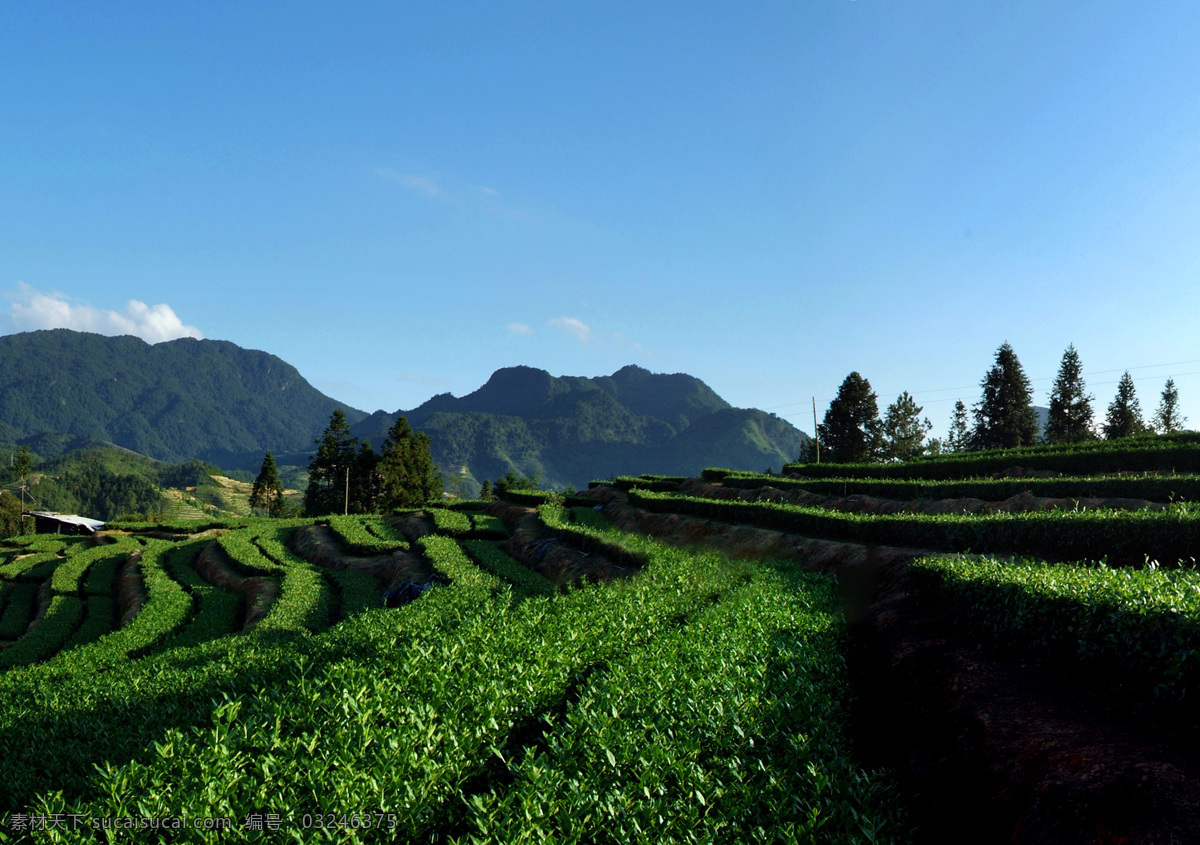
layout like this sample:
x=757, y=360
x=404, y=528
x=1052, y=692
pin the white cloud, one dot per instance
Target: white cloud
x=32, y=309
x=491, y=192
x=422, y=184
x=520, y=328
x=580, y=330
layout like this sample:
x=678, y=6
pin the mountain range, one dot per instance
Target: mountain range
x=571, y=429
x=62, y=390
x=181, y=399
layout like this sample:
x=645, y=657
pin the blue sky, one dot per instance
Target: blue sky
x=400, y=198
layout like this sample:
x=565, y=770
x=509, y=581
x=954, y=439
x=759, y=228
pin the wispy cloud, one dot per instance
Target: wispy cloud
x=578, y=329
x=624, y=341
x=482, y=199
x=521, y=328
x=32, y=309
x=421, y=184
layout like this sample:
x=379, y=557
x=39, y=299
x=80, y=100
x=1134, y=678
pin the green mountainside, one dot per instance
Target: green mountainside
x=181, y=399
x=63, y=391
x=571, y=429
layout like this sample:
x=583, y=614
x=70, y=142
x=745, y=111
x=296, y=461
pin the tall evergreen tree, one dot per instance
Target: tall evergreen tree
x=903, y=429
x=959, y=437
x=851, y=428
x=407, y=473
x=808, y=450
x=1124, y=414
x=1004, y=417
x=485, y=490
x=365, y=484
x=329, y=468
x=267, y=492
x=1070, y=407
x=10, y=515
x=1167, y=418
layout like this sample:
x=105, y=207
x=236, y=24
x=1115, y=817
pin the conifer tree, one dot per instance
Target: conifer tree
x=1070, y=407
x=267, y=492
x=329, y=468
x=485, y=490
x=1004, y=417
x=10, y=515
x=903, y=429
x=851, y=428
x=959, y=437
x=365, y=484
x=1167, y=419
x=407, y=473
x=1124, y=414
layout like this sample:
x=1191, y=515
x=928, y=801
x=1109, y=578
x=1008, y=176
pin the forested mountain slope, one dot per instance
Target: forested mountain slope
x=173, y=401
x=571, y=429
x=62, y=390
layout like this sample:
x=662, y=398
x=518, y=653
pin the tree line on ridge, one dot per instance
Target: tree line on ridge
x=1004, y=417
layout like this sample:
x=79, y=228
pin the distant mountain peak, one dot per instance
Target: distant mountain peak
x=571, y=429
x=632, y=370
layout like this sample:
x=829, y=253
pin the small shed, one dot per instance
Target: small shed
x=49, y=522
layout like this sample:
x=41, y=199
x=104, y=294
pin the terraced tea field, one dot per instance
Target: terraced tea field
x=243, y=681
x=918, y=652
x=1025, y=626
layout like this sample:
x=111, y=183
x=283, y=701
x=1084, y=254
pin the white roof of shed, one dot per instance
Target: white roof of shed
x=71, y=519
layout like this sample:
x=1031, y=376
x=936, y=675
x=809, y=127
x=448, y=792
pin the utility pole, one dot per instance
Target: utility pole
x=346, y=506
x=816, y=434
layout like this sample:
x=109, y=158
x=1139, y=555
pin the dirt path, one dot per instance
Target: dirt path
x=414, y=526
x=130, y=593
x=557, y=558
x=320, y=547
x=257, y=592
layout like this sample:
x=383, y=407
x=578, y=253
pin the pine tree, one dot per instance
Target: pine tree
x=329, y=468
x=1124, y=414
x=407, y=473
x=959, y=437
x=267, y=492
x=1004, y=417
x=1070, y=407
x=851, y=429
x=365, y=484
x=1167, y=419
x=10, y=515
x=485, y=490
x=903, y=429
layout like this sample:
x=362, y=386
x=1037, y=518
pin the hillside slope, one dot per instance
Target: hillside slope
x=173, y=401
x=571, y=429
x=61, y=391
